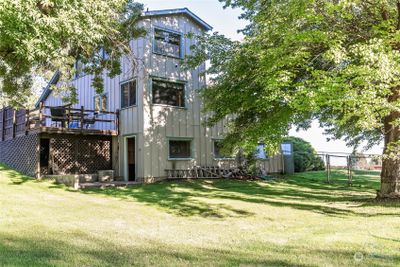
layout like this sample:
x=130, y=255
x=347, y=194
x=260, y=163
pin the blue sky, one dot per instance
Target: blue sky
x=226, y=22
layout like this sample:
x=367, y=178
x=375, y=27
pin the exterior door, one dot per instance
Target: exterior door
x=131, y=158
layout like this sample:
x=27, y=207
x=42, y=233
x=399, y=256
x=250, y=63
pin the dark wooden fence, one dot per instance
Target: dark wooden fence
x=1, y=124
x=12, y=123
x=8, y=127
x=20, y=122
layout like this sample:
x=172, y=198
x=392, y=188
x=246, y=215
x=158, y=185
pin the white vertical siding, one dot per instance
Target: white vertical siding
x=153, y=125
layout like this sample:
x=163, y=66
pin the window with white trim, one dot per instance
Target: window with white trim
x=180, y=149
x=128, y=94
x=167, y=43
x=168, y=93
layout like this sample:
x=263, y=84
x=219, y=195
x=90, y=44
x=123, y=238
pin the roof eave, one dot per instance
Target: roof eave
x=179, y=11
x=47, y=90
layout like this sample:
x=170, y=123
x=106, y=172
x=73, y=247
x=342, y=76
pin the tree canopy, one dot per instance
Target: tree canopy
x=305, y=156
x=39, y=37
x=336, y=61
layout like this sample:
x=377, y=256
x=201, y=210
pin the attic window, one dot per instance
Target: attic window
x=167, y=43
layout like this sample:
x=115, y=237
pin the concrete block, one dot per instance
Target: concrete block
x=68, y=180
x=106, y=176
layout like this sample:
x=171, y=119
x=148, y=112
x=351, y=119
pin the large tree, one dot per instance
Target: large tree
x=39, y=37
x=301, y=60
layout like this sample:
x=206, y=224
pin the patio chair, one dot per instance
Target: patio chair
x=59, y=114
x=89, y=122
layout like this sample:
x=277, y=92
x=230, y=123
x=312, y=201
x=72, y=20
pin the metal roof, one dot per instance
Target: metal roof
x=179, y=11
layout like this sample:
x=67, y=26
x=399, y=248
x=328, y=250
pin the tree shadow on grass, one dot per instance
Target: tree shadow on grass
x=179, y=198
x=385, y=203
x=307, y=191
x=193, y=197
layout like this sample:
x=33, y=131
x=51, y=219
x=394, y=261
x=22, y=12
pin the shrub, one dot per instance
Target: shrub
x=305, y=156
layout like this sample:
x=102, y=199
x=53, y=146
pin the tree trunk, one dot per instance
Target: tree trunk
x=390, y=176
x=390, y=179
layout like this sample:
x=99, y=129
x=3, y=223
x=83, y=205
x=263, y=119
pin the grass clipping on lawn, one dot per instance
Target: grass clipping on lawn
x=300, y=221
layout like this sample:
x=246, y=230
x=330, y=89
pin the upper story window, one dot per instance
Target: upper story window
x=79, y=69
x=167, y=43
x=100, y=103
x=104, y=55
x=128, y=94
x=168, y=93
x=80, y=66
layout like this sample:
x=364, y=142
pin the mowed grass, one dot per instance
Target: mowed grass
x=299, y=221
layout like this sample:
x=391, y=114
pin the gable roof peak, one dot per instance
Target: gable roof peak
x=179, y=11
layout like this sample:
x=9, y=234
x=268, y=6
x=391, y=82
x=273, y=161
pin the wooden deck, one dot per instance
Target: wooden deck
x=57, y=120
x=72, y=131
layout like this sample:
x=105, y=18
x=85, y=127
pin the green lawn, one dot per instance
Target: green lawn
x=300, y=221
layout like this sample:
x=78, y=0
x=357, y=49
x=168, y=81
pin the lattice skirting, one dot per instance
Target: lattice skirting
x=68, y=154
x=79, y=154
x=21, y=153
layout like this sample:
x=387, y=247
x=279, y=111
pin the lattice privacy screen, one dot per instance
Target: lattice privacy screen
x=79, y=154
x=21, y=153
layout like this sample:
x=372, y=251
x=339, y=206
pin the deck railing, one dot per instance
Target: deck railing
x=14, y=123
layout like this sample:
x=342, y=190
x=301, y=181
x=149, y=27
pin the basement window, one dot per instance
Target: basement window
x=128, y=94
x=168, y=93
x=180, y=149
x=167, y=43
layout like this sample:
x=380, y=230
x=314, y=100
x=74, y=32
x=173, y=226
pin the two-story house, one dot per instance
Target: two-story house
x=148, y=119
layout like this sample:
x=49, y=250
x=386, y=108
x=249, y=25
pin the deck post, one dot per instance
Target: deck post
x=2, y=124
x=14, y=127
x=82, y=116
x=69, y=115
x=41, y=114
x=117, y=121
x=27, y=122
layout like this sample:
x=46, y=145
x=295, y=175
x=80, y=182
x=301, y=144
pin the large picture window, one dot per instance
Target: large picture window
x=180, y=149
x=168, y=93
x=167, y=43
x=128, y=94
